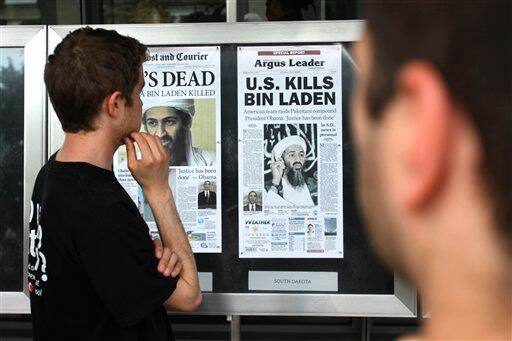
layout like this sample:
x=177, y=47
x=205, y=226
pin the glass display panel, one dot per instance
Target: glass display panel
x=37, y=12
x=297, y=10
x=67, y=12
x=11, y=169
x=161, y=11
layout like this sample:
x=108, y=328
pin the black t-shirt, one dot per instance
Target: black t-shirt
x=92, y=266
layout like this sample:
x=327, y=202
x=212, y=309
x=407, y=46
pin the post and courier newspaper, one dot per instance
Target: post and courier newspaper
x=290, y=152
x=181, y=105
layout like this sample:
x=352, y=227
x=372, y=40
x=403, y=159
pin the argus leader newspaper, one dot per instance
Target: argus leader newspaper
x=290, y=152
x=181, y=105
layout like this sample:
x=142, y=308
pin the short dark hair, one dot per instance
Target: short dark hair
x=87, y=66
x=470, y=45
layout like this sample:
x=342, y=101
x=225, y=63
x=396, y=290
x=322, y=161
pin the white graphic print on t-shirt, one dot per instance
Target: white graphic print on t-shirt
x=36, y=260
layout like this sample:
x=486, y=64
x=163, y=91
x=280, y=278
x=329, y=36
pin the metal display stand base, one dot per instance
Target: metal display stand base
x=366, y=328
x=235, y=327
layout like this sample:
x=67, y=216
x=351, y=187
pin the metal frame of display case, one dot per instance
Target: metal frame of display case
x=402, y=303
x=33, y=40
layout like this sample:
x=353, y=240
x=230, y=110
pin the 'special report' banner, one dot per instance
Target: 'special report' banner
x=181, y=105
x=290, y=152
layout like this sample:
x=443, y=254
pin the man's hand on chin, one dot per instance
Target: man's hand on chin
x=151, y=170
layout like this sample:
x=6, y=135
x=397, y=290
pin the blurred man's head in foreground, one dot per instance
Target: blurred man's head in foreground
x=432, y=123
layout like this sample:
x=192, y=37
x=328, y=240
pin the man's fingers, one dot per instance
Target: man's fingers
x=152, y=142
x=130, y=151
x=160, y=150
x=143, y=145
x=158, y=248
x=160, y=146
x=171, y=265
x=166, y=256
x=177, y=270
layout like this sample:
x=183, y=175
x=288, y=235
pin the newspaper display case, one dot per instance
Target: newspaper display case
x=23, y=50
x=362, y=286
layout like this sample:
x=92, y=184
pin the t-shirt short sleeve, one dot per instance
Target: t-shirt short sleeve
x=119, y=258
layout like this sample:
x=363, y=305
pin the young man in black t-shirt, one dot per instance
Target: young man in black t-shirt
x=94, y=273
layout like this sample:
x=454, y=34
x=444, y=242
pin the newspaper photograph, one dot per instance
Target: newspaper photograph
x=290, y=152
x=181, y=105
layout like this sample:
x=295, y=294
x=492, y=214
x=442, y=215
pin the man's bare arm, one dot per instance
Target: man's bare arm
x=187, y=295
x=151, y=172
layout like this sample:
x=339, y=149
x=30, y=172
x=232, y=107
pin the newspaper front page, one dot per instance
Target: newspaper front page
x=181, y=105
x=290, y=152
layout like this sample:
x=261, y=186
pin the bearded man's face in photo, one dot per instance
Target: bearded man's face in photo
x=168, y=125
x=294, y=159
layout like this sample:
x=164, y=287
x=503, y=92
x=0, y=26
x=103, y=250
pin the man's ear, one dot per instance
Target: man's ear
x=432, y=114
x=115, y=104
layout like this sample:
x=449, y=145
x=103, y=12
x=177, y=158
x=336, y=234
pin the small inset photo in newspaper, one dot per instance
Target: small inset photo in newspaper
x=330, y=226
x=207, y=196
x=253, y=201
x=310, y=229
x=290, y=164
